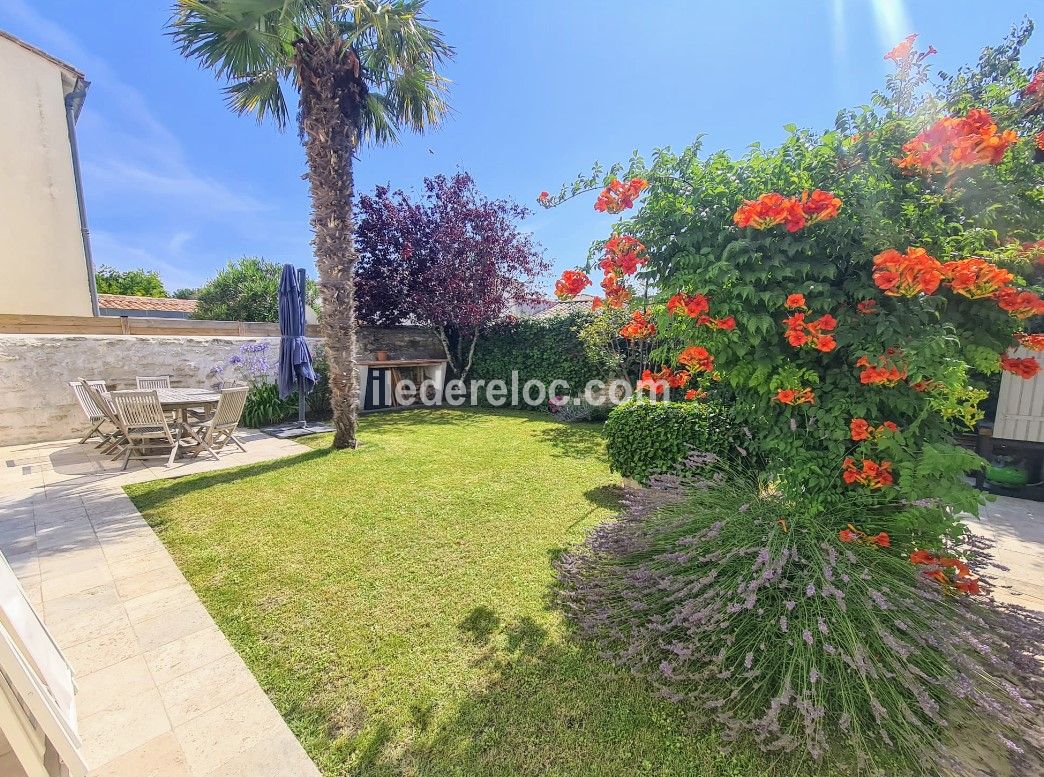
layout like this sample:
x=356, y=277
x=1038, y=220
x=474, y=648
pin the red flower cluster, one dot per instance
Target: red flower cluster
x=1021, y=304
x=819, y=206
x=902, y=54
x=795, y=302
x=962, y=579
x=1030, y=342
x=795, y=396
x=868, y=307
x=1038, y=141
x=638, y=328
x=953, y=143
x=872, y=475
x=852, y=534
x=862, y=430
x=1023, y=368
x=693, y=306
x=1035, y=87
x=657, y=382
x=796, y=213
x=907, y=275
x=697, y=358
x=696, y=306
x=616, y=294
x=623, y=255
x=570, y=284
x=800, y=332
x=885, y=373
x=693, y=394
x=544, y=199
x=619, y=196
x=975, y=278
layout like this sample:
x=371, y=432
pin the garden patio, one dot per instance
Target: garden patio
x=397, y=611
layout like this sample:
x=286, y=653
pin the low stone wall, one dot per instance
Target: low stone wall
x=36, y=403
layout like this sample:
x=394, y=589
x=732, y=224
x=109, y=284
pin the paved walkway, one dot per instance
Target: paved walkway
x=161, y=692
x=1016, y=526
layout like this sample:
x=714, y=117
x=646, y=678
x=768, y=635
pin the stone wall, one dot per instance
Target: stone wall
x=36, y=403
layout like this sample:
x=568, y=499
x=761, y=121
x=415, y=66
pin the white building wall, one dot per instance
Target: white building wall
x=42, y=260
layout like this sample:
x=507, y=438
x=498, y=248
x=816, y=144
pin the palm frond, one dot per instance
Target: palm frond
x=245, y=42
x=261, y=95
x=400, y=52
x=251, y=45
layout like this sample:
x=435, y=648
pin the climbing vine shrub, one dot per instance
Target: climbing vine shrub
x=843, y=286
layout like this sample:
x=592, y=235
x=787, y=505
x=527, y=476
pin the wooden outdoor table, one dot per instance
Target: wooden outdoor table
x=180, y=401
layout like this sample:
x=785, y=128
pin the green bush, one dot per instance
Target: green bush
x=264, y=407
x=647, y=438
x=542, y=349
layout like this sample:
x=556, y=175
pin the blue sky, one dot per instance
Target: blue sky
x=540, y=90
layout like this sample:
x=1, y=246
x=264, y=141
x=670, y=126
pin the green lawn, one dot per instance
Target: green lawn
x=394, y=601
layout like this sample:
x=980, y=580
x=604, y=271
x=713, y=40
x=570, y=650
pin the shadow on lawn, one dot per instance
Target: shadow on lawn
x=552, y=708
x=574, y=440
x=154, y=494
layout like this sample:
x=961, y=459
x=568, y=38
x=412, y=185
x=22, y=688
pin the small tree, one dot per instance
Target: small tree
x=454, y=262
x=245, y=290
x=136, y=283
x=186, y=293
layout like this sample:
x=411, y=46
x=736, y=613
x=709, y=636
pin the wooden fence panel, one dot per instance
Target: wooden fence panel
x=133, y=325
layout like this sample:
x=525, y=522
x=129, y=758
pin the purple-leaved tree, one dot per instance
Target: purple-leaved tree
x=454, y=261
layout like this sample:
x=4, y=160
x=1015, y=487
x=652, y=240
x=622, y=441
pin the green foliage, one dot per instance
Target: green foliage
x=686, y=219
x=645, y=438
x=186, y=293
x=612, y=354
x=136, y=283
x=264, y=407
x=319, y=398
x=245, y=290
x=543, y=349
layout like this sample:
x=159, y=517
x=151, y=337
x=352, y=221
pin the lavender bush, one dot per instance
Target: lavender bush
x=713, y=587
x=252, y=364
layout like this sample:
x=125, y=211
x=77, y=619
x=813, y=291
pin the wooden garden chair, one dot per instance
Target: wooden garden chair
x=152, y=382
x=91, y=409
x=213, y=434
x=145, y=426
x=96, y=392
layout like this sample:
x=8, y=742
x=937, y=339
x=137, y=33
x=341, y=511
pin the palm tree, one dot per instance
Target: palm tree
x=364, y=70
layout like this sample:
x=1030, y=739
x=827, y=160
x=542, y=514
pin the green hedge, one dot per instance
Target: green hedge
x=543, y=349
x=647, y=438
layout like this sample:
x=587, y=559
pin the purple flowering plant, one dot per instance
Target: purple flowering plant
x=713, y=587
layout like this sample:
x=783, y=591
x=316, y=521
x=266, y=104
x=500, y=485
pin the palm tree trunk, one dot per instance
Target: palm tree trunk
x=330, y=138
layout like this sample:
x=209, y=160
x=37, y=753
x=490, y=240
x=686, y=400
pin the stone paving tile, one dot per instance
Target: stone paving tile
x=164, y=629
x=273, y=755
x=146, y=654
x=228, y=730
x=159, y=757
x=181, y=656
x=206, y=687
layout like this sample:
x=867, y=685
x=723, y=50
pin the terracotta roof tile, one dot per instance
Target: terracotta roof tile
x=127, y=302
